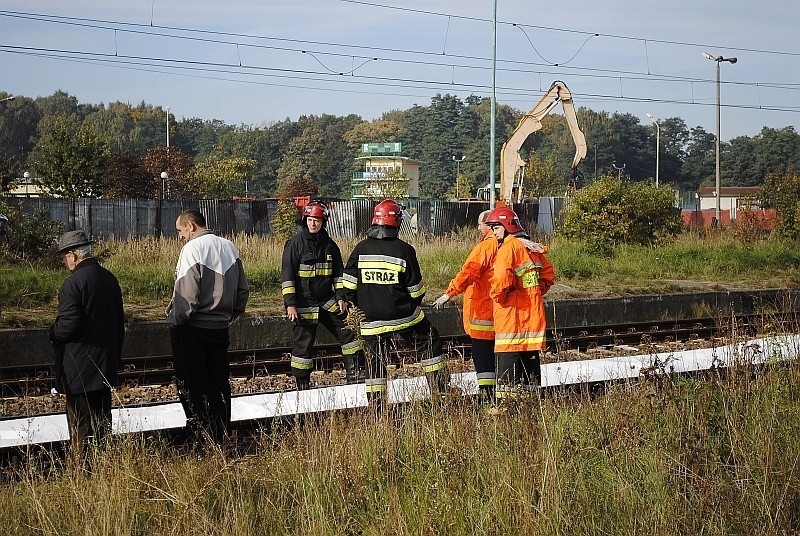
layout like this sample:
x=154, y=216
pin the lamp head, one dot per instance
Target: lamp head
x=708, y=56
x=732, y=60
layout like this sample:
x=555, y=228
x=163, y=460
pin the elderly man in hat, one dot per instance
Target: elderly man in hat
x=87, y=339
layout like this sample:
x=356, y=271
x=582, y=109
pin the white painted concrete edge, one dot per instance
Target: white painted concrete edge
x=50, y=428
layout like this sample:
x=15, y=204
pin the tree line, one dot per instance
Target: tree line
x=119, y=150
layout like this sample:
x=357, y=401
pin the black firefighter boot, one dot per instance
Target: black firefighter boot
x=438, y=381
x=353, y=374
x=303, y=383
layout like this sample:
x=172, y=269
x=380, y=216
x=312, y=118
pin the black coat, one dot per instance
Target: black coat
x=311, y=269
x=89, y=329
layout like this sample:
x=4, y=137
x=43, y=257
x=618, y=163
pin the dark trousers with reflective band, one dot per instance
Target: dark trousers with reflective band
x=88, y=418
x=200, y=358
x=423, y=338
x=518, y=371
x=484, y=360
x=305, y=333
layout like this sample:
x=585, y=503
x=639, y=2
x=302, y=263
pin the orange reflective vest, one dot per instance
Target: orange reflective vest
x=474, y=281
x=520, y=281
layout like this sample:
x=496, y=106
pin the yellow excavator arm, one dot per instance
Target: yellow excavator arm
x=512, y=166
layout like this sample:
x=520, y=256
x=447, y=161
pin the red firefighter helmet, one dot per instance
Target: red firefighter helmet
x=388, y=213
x=506, y=217
x=316, y=209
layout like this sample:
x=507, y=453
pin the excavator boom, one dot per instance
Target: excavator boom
x=512, y=165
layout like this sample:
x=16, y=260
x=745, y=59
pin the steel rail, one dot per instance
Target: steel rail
x=33, y=380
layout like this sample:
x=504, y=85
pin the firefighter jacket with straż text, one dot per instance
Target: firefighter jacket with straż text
x=211, y=288
x=311, y=274
x=521, y=279
x=383, y=278
x=474, y=281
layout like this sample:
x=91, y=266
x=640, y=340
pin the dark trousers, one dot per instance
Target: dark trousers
x=424, y=340
x=200, y=358
x=88, y=418
x=516, y=369
x=305, y=333
x=484, y=360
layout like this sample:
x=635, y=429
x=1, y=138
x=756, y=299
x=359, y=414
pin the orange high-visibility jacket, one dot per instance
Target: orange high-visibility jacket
x=520, y=281
x=474, y=281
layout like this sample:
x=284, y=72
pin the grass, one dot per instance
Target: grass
x=145, y=268
x=684, y=456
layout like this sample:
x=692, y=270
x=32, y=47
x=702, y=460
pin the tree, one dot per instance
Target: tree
x=197, y=137
x=178, y=166
x=62, y=104
x=18, y=121
x=126, y=176
x=321, y=153
x=218, y=177
x=742, y=162
x=129, y=129
x=540, y=177
x=70, y=162
x=383, y=130
x=7, y=176
x=700, y=164
x=296, y=162
x=778, y=149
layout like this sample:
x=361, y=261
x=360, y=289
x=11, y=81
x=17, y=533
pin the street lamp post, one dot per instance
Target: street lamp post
x=27, y=177
x=718, y=60
x=160, y=202
x=697, y=222
x=658, y=144
x=458, y=169
x=619, y=170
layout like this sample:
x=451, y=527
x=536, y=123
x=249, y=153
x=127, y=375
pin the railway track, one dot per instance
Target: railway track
x=35, y=380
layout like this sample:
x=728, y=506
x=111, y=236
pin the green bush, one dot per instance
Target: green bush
x=610, y=212
x=31, y=238
x=781, y=191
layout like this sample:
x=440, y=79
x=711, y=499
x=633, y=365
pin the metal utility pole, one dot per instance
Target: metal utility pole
x=658, y=143
x=718, y=60
x=492, y=155
x=458, y=172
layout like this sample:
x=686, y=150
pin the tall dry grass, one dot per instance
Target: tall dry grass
x=145, y=268
x=681, y=456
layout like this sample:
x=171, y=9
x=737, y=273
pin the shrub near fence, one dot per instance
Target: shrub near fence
x=131, y=218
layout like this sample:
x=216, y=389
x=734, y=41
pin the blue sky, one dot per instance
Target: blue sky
x=251, y=62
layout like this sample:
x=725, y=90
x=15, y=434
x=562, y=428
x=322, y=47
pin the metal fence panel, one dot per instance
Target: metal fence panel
x=127, y=218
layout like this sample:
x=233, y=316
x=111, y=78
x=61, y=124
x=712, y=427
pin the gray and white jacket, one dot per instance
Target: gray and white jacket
x=211, y=288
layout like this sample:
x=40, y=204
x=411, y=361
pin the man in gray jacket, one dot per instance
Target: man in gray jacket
x=87, y=340
x=210, y=292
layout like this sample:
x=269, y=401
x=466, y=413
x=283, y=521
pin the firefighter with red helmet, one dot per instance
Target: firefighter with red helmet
x=311, y=284
x=522, y=276
x=383, y=278
x=474, y=281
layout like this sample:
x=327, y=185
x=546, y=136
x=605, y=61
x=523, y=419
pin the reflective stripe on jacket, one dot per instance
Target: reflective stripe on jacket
x=383, y=278
x=520, y=281
x=311, y=274
x=474, y=281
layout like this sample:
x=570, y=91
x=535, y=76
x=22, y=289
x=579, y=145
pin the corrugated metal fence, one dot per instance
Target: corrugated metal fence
x=127, y=218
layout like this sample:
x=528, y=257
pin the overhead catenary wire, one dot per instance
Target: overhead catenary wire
x=185, y=67
x=170, y=66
